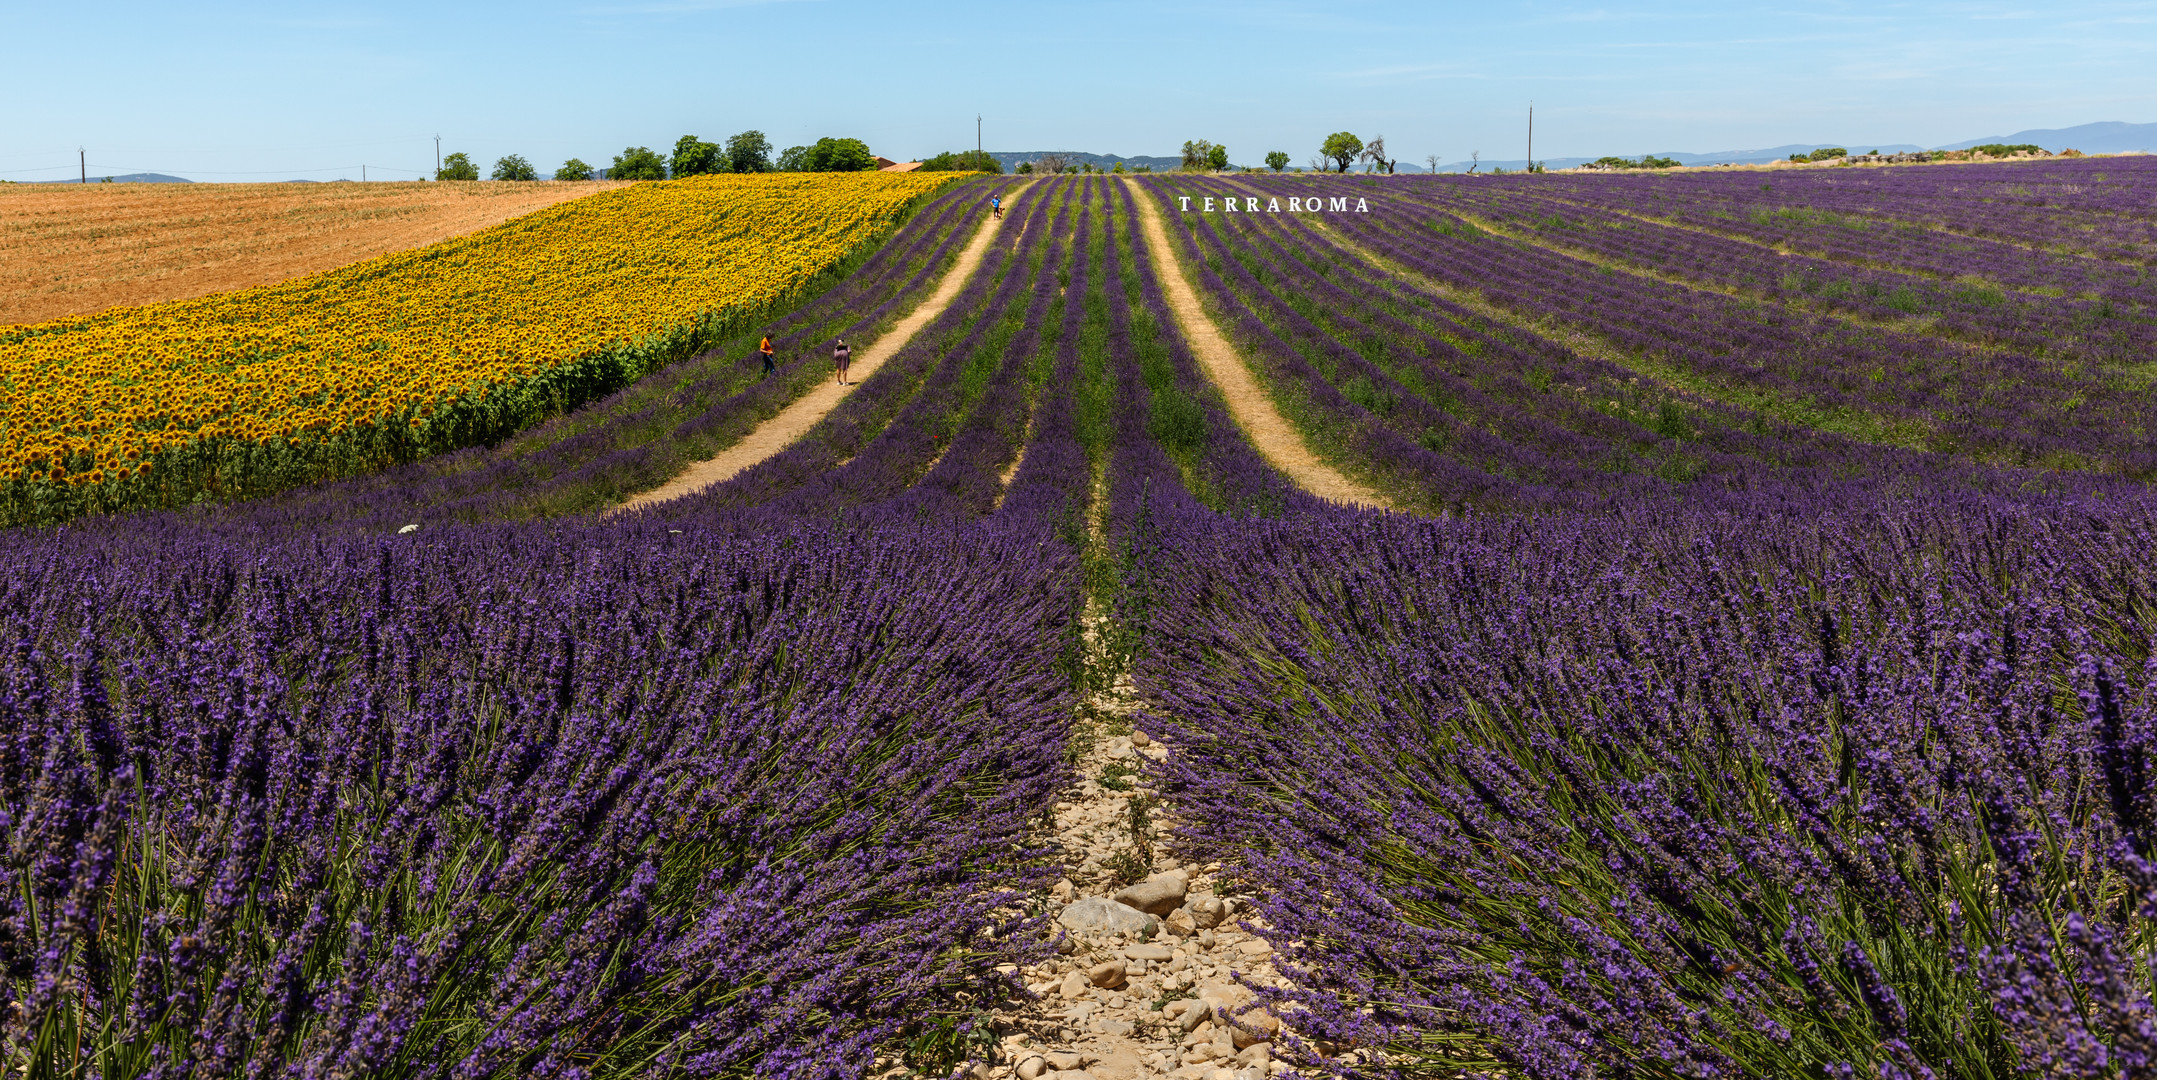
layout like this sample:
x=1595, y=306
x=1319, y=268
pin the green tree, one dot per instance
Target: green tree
x=638, y=163
x=962, y=161
x=695, y=157
x=793, y=159
x=573, y=169
x=1343, y=148
x=457, y=166
x=1217, y=158
x=841, y=155
x=1277, y=160
x=1197, y=155
x=749, y=152
x=514, y=167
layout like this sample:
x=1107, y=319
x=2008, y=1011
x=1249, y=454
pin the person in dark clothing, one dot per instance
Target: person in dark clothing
x=842, y=355
x=765, y=349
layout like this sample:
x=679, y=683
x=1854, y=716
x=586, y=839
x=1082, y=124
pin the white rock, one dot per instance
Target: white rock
x=1096, y=914
x=1148, y=951
x=1074, y=986
x=1208, y=912
x=1255, y=949
x=1033, y=1067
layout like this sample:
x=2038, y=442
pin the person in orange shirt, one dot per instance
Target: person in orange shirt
x=765, y=349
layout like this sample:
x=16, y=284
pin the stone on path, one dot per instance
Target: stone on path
x=1108, y=976
x=1157, y=895
x=1095, y=914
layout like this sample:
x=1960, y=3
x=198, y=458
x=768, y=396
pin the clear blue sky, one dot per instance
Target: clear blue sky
x=219, y=90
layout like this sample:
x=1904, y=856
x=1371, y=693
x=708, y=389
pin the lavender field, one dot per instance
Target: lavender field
x=1754, y=677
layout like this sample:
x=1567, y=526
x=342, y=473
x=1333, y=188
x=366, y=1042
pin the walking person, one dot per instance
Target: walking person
x=996, y=207
x=765, y=349
x=842, y=355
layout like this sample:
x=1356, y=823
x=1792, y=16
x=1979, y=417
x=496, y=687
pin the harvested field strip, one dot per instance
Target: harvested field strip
x=80, y=249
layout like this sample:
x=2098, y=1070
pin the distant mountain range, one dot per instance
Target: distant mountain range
x=130, y=178
x=1010, y=159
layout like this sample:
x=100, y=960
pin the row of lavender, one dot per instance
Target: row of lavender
x=718, y=789
x=1496, y=364
x=1855, y=779
x=1843, y=792
x=571, y=800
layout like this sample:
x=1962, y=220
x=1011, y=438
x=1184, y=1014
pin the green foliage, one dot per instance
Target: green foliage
x=841, y=155
x=1647, y=161
x=1198, y=155
x=695, y=157
x=1217, y=158
x=1177, y=421
x=793, y=159
x=573, y=169
x=1277, y=160
x=457, y=166
x=1126, y=868
x=748, y=152
x=514, y=167
x=1343, y=148
x=1024, y=168
x=962, y=161
x=638, y=163
x=2004, y=149
x=1116, y=776
x=1825, y=153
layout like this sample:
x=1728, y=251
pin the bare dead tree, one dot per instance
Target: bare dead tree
x=1432, y=159
x=1052, y=163
x=1374, y=152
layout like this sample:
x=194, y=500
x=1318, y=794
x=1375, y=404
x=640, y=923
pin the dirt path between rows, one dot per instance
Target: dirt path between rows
x=1278, y=441
x=795, y=420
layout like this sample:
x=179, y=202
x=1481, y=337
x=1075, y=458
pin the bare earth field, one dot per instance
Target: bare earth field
x=73, y=249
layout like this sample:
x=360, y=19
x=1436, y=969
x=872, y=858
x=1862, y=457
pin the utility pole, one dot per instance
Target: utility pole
x=1531, y=136
x=363, y=174
x=82, y=158
x=977, y=133
x=438, y=157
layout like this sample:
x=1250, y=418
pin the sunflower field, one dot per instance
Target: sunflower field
x=416, y=352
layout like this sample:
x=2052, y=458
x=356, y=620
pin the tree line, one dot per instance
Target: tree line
x=1338, y=153
x=748, y=152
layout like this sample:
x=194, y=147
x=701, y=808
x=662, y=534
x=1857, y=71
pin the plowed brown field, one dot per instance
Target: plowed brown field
x=72, y=249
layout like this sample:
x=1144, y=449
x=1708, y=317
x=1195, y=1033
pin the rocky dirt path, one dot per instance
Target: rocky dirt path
x=792, y=422
x=1276, y=439
x=1150, y=978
